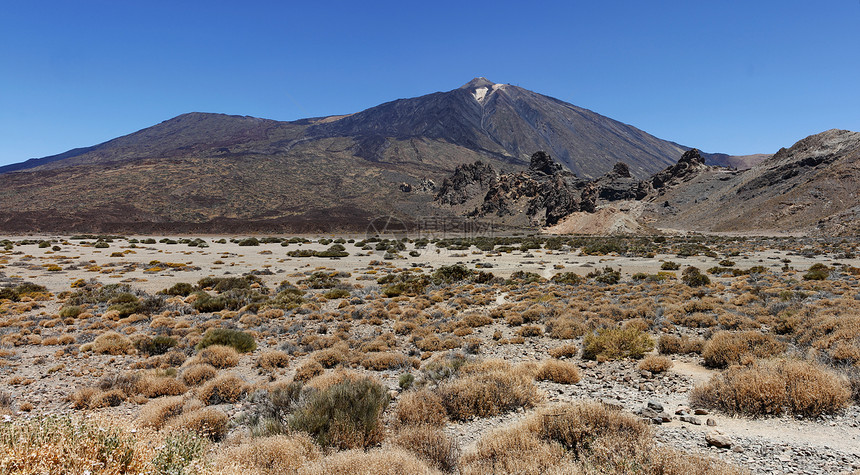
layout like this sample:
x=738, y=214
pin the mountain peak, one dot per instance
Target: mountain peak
x=478, y=82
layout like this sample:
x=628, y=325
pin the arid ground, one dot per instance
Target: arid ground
x=342, y=354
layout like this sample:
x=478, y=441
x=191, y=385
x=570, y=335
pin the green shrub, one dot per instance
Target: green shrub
x=608, y=276
x=336, y=294
x=239, y=340
x=567, y=278
x=616, y=343
x=669, y=265
x=159, y=345
x=183, y=289
x=206, y=303
x=70, y=311
x=345, y=415
x=694, y=278
x=817, y=272
x=451, y=274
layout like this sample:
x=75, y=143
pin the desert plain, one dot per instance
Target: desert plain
x=361, y=354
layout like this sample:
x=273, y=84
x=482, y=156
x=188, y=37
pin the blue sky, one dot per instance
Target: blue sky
x=725, y=76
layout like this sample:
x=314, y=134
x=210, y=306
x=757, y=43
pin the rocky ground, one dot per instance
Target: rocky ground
x=44, y=378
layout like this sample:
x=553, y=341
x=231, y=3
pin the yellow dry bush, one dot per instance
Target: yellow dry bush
x=111, y=343
x=208, y=422
x=726, y=348
x=308, y=370
x=197, y=374
x=157, y=412
x=385, y=361
x=564, y=351
x=219, y=356
x=273, y=359
x=275, y=455
x=227, y=388
x=655, y=364
x=156, y=386
x=421, y=407
x=488, y=394
x=561, y=372
x=774, y=387
x=430, y=443
x=382, y=461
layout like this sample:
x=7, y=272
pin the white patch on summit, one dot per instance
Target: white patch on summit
x=480, y=93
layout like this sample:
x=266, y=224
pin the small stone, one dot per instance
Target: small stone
x=655, y=406
x=700, y=412
x=691, y=420
x=717, y=439
x=711, y=422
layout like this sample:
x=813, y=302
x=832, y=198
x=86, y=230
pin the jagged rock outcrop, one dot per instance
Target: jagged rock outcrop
x=541, y=162
x=466, y=182
x=691, y=162
x=547, y=193
x=619, y=185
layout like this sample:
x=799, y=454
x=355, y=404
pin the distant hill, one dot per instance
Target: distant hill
x=203, y=172
x=812, y=187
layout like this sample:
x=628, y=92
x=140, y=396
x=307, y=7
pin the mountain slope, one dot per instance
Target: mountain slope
x=216, y=173
x=509, y=123
x=814, y=186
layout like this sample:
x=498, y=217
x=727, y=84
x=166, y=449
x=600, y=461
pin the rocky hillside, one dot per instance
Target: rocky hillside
x=218, y=173
x=811, y=187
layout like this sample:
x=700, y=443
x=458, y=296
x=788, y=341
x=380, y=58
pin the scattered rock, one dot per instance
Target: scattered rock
x=717, y=439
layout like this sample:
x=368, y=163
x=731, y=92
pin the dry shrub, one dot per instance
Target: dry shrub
x=109, y=398
x=208, y=422
x=580, y=438
x=616, y=343
x=385, y=361
x=227, y=388
x=561, y=372
x=530, y=330
x=655, y=364
x=421, y=407
x=514, y=450
x=81, y=398
x=156, y=386
x=65, y=445
x=430, y=443
x=219, y=356
x=488, y=394
x=674, y=345
x=774, y=387
x=666, y=461
x=111, y=343
x=198, y=373
x=726, y=348
x=308, y=370
x=276, y=455
x=564, y=351
x=157, y=412
x=476, y=320
x=566, y=328
x=331, y=357
x=381, y=461
x=273, y=359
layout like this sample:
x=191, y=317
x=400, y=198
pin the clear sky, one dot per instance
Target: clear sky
x=725, y=76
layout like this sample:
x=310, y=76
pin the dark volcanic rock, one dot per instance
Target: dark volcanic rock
x=467, y=181
x=541, y=162
x=689, y=164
